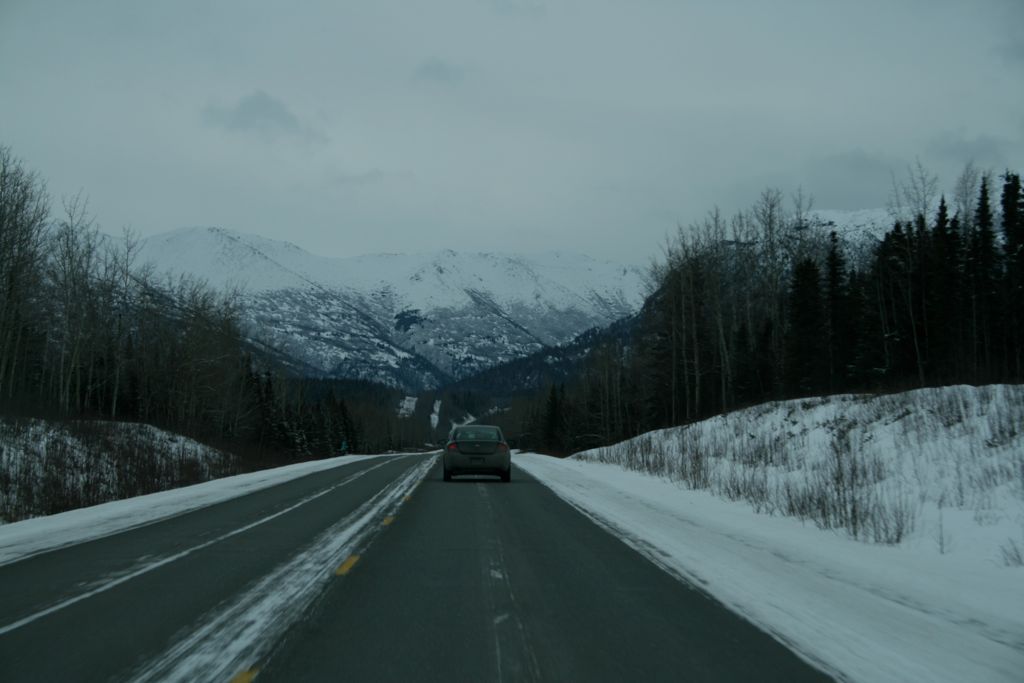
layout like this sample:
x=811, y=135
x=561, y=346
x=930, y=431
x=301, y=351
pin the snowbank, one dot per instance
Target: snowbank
x=939, y=469
x=773, y=510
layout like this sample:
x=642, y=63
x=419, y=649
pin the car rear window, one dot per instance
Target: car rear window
x=477, y=434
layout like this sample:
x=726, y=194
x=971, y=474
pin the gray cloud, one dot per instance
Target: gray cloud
x=365, y=178
x=851, y=179
x=263, y=115
x=1013, y=51
x=1011, y=47
x=984, y=150
x=439, y=71
x=364, y=133
x=522, y=8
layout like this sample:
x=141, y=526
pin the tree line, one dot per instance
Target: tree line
x=88, y=331
x=770, y=303
x=773, y=303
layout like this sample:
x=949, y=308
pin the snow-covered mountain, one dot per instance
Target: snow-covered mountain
x=413, y=321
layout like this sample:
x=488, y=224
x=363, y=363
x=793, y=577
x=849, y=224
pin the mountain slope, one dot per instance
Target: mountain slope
x=412, y=321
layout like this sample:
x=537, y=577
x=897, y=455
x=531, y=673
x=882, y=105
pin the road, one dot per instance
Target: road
x=373, y=571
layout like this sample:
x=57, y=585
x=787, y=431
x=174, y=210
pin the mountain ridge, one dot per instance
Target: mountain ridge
x=414, y=321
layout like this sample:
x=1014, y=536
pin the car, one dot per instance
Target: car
x=477, y=449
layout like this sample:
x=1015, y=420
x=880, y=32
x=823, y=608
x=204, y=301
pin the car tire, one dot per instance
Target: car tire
x=447, y=474
x=506, y=476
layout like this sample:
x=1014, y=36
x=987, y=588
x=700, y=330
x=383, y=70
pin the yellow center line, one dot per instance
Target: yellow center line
x=245, y=676
x=388, y=520
x=347, y=565
x=406, y=499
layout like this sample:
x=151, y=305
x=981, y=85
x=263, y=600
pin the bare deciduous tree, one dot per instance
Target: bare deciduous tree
x=965, y=195
x=24, y=210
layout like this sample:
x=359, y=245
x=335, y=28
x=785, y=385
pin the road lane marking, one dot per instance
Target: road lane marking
x=243, y=630
x=387, y=520
x=406, y=499
x=515, y=657
x=184, y=553
x=245, y=676
x=347, y=565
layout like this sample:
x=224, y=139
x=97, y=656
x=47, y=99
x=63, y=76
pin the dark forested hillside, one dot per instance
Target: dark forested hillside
x=552, y=365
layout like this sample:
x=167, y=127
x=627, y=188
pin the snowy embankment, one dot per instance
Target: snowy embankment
x=880, y=537
x=52, y=466
x=32, y=536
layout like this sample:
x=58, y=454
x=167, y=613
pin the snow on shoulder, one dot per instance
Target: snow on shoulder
x=19, y=540
x=925, y=583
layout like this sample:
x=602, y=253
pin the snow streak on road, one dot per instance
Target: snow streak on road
x=195, y=595
x=236, y=637
x=150, y=565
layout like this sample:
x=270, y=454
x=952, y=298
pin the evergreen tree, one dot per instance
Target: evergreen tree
x=984, y=278
x=958, y=253
x=552, y=432
x=920, y=288
x=1012, y=202
x=806, y=367
x=868, y=361
x=893, y=294
x=943, y=292
x=838, y=318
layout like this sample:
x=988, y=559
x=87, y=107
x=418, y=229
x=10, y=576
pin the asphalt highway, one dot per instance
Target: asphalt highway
x=373, y=571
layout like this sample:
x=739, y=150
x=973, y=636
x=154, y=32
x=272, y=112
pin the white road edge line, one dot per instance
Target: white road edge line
x=24, y=621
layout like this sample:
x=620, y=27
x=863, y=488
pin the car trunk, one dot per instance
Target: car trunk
x=477, y=447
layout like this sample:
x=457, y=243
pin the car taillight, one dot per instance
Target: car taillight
x=502, y=446
x=453, y=446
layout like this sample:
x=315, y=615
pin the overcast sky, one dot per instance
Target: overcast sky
x=351, y=127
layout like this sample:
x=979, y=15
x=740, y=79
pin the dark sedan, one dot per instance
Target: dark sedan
x=477, y=449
